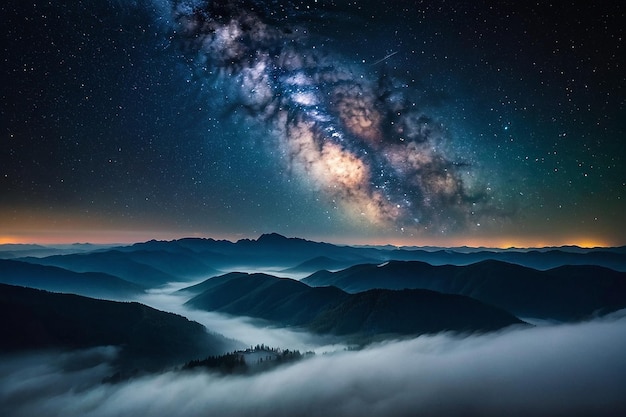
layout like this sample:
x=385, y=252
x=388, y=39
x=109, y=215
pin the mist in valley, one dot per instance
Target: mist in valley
x=547, y=368
x=567, y=369
x=247, y=330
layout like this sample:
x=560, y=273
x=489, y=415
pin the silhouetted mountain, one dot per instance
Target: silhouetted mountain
x=318, y=263
x=268, y=250
x=180, y=265
x=51, y=278
x=149, y=339
x=292, y=251
x=112, y=262
x=147, y=268
x=155, y=262
x=212, y=282
x=376, y=312
x=282, y=300
x=330, y=310
x=564, y=293
x=537, y=259
x=274, y=249
x=10, y=251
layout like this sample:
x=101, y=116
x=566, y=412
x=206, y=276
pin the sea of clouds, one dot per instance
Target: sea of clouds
x=552, y=370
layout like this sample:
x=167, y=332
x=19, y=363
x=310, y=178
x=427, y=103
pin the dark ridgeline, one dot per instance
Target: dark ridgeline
x=367, y=315
x=154, y=263
x=282, y=300
x=275, y=250
x=318, y=263
x=51, y=278
x=149, y=339
x=373, y=298
x=142, y=267
x=410, y=312
x=566, y=293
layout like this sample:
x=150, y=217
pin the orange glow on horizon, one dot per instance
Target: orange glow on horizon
x=85, y=236
x=495, y=242
x=7, y=240
x=95, y=236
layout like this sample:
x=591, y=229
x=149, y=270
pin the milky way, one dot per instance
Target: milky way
x=346, y=127
x=405, y=122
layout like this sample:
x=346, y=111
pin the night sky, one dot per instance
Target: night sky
x=405, y=122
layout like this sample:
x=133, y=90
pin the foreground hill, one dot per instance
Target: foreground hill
x=566, y=293
x=333, y=311
x=150, y=339
x=410, y=312
x=92, y=284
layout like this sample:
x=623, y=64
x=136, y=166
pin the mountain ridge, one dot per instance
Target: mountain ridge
x=207, y=256
x=565, y=293
x=150, y=339
x=329, y=309
x=53, y=278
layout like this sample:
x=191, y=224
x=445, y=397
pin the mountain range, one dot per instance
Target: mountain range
x=366, y=293
x=52, y=278
x=330, y=310
x=154, y=263
x=566, y=293
x=148, y=268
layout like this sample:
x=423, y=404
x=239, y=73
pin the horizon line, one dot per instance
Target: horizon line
x=583, y=243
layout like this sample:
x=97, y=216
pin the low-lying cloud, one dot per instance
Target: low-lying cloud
x=247, y=330
x=552, y=370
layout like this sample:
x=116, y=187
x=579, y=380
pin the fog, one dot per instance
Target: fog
x=247, y=330
x=280, y=271
x=576, y=369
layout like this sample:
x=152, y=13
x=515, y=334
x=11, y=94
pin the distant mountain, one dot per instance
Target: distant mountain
x=538, y=259
x=51, y=278
x=268, y=250
x=154, y=263
x=149, y=339
x=564, y=293
x=277, y=250
x=330, y=310
x=143, y=267
x=318, y=263
x=181, y=265
x=274, y=249
x=12, y=250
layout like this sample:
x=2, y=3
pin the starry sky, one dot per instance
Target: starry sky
x=493, y=123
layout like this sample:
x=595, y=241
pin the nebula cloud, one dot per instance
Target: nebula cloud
x=349, y=129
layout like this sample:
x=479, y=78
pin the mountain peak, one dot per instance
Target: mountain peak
x=272, y=237
x=278, y=239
